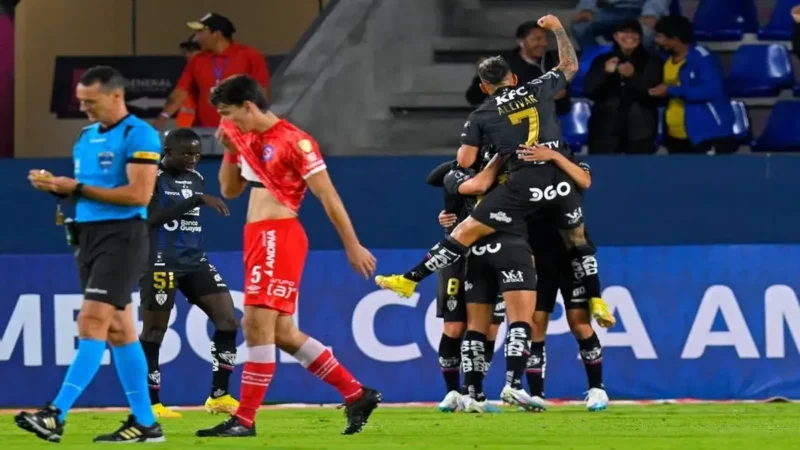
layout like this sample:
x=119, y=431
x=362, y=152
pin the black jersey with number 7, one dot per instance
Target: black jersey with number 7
x=516, y=115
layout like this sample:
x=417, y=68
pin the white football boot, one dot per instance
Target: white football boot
x=596, y=399
x=450, y=402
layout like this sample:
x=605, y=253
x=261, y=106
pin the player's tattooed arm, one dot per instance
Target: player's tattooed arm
x=568, y=59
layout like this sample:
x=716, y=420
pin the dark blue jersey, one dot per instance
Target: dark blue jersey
x=176, y=239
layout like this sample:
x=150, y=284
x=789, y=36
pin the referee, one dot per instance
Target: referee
x=115, y=160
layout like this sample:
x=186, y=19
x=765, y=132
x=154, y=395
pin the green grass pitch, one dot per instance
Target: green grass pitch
x=695, y=427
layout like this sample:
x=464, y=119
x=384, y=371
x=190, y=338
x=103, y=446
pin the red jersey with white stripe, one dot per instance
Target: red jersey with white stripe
x=281, y=159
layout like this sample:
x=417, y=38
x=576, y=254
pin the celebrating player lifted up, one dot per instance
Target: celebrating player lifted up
x=513, y=116
x=279, y=161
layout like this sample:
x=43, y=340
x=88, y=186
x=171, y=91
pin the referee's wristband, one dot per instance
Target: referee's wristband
x=78, y=192
x=165, y=115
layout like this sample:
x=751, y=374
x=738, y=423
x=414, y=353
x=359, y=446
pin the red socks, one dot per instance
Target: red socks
x=256, y=376
x=320, y=361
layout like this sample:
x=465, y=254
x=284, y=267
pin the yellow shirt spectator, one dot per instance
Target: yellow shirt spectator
x=676, y=113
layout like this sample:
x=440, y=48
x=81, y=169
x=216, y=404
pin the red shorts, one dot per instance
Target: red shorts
x=274, y=255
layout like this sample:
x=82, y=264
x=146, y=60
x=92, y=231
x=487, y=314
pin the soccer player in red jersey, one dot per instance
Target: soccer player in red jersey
x=279, y=161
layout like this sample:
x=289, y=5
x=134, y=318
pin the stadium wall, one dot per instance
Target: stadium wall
x=634, y=201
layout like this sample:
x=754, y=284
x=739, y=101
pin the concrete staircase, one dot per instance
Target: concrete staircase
x=389, y=76
x=433, y=108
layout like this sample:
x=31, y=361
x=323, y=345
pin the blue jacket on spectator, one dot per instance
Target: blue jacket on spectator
x=709, y=114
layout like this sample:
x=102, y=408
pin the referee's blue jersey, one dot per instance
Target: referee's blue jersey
x=100, y=156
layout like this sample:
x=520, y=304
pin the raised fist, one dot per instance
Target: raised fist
x=550, y=22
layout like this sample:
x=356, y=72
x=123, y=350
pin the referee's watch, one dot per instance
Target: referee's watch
x=78, y=192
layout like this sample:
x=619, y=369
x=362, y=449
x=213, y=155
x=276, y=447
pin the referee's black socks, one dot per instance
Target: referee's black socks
x=584, y=266
x=443, y=254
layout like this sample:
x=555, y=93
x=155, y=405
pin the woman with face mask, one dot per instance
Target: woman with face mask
x=624, y=116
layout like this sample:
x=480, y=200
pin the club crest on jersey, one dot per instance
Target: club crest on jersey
x=105, y=160
x=161, y=298
x=451, y=304
x=187, y=193
x=267, y=152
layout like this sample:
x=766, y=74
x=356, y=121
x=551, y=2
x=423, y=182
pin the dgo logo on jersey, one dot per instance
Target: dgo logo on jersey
x=550, y=192
x=491, y=248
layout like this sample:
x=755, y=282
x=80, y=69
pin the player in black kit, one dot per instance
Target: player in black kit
x=451, y=306
x=554, y=270
x=510, y=117
x=178, y=262
x=499, y=269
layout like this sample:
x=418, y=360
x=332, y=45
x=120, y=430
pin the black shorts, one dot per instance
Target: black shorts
x=111, y=256
x=497, y=264
x=532, y=194
x=158, y=288
x=450, y=304
x=451, y=299
x=554, y=269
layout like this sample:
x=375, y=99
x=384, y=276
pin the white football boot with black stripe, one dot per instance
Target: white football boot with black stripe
x=43, y=423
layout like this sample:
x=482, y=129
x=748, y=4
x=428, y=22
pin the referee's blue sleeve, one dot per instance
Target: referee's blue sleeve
x=143, y=145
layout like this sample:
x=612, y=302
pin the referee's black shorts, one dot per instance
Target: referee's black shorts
x=111, y=258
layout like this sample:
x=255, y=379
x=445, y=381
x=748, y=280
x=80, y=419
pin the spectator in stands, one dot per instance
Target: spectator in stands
x=528, y=61
x=699, y=117
x=220, y=57
x=186, y=115
x=624, y=115
x=599, y=18
x=796, y=30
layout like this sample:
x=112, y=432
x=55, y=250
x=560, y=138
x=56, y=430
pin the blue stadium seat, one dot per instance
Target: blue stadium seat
x=779, y=27
x=575, y=125
x=780, y=134
x=741, y=126
x=760, y=71
x=725, y=20
x=587, y=56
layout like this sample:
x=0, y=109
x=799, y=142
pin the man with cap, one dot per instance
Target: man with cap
x=220, y=57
